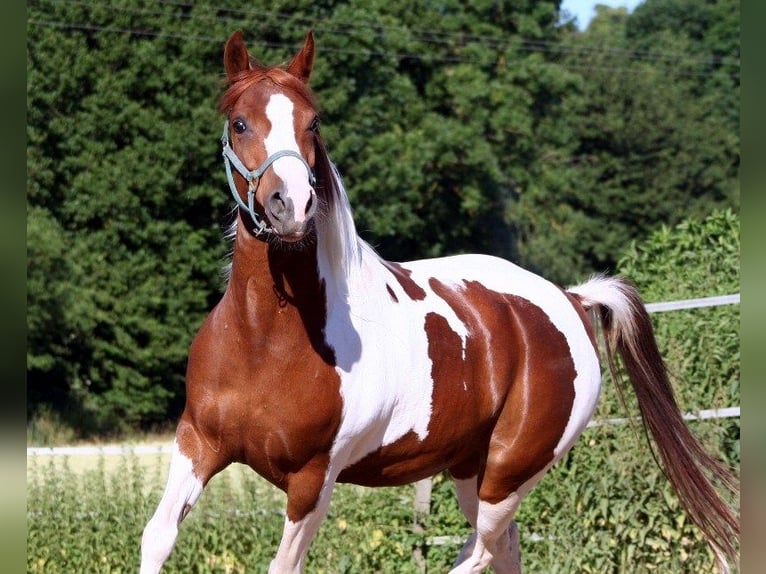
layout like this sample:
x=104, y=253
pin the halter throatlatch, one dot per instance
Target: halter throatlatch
x=253, y=176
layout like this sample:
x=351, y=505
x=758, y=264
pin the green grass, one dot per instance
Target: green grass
x=604, y=508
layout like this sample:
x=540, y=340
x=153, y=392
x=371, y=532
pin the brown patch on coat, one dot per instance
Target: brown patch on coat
x=391, y=293
x=527, y=366
x=404, y=277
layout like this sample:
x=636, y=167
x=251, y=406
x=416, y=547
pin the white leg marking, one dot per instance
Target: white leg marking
x=507, y=554
x=297, y=536
x=492, y=525
x=181, y=492
x=468, y=498
x=506, y=557
x=466, y=551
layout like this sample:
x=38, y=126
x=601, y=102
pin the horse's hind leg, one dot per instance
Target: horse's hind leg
x=492, y=542
x=496, y=534
x=507, y=556
x=186, y=481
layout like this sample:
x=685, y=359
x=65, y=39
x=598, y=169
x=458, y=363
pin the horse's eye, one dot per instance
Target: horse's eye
x=314, y=127
x=239, y=126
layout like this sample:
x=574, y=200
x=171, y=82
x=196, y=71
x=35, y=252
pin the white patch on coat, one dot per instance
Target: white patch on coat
x=382, y=358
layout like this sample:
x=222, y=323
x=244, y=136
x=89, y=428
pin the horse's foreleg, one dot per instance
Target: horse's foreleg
x=308, y=497
x=183, y=488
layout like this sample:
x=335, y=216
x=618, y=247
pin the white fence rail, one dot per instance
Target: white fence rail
x=693, y=303
x=97, y=450
x=706, y=414
x=725, y=413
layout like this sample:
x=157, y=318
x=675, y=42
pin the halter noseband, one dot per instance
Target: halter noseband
x=253, y=176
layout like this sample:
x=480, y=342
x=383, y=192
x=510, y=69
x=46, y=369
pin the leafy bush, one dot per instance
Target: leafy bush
x=698, y=258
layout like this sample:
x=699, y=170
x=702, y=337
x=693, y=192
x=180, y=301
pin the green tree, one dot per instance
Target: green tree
x=710, y=31
x=436, y=122
x=653, y=137
x=123, y=164
x=124, y=210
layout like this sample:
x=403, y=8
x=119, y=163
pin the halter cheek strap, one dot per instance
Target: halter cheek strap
x=253, y=176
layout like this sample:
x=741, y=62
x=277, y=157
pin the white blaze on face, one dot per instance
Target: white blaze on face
x=290, y=170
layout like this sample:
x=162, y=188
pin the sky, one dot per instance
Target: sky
x=585, y=9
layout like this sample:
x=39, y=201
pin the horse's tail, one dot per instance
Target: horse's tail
x=627, y=329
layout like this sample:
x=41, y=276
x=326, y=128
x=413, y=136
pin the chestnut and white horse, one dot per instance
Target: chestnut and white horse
x=323, y=363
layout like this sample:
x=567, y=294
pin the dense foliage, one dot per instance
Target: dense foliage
x=649, y=137
x=458, y=127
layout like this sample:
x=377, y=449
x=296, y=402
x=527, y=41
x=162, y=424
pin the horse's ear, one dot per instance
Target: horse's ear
x=302, y=63
x=235, y=56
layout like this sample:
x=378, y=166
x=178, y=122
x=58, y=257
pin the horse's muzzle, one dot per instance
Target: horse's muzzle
x=287, y=222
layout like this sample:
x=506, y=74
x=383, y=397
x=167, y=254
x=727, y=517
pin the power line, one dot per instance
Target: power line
x=529, y=45
x=157, y=34
x=430, y=58
x=436, y=37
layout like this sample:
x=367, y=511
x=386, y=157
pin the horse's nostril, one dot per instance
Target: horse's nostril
x=276, y=204
x=310, y=205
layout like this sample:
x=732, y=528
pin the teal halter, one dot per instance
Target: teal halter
x=253, y=176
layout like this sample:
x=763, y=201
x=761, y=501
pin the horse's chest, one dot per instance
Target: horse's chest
x=272, y=406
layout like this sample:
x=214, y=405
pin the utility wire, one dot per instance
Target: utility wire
x=430, y=58
x=436, y=37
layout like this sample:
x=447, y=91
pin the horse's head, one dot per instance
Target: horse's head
x=270, y=138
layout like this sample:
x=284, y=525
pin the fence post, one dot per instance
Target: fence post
x=422, y=509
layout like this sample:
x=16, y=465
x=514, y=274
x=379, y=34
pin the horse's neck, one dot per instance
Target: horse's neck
x=275, y=297
x=266, y=279
x=319, y=274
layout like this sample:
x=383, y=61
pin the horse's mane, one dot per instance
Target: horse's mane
x=336, y=232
